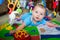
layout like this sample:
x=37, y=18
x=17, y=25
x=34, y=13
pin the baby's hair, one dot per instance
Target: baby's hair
x=39, y=4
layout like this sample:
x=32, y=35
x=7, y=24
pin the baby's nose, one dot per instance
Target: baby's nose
x=38, y=15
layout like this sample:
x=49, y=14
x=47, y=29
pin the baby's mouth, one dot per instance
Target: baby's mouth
x=37, y=17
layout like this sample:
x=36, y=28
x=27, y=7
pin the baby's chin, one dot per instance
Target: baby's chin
x=37, y=19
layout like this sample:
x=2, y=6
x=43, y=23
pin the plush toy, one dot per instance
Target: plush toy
x=23, y=3
x=14, y=16
x=31, y=4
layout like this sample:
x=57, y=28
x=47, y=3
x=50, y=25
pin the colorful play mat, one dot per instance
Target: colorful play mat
x=29, y=33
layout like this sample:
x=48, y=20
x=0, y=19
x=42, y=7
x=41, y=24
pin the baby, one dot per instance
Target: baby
x=37, y=18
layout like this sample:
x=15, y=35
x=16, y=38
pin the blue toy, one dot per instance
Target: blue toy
x=8, y=34
x=1, y=1
x=58, y=28
x=44, y=3
x=47, y=18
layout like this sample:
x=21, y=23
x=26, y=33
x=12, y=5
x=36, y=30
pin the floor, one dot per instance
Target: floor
x=3, y=18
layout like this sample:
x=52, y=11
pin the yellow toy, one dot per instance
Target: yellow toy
x=9, y=28
x=54, y=13
x=3, y=26
x=11, y=2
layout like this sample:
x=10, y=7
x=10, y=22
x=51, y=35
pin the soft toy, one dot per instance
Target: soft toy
x=14, y=16
x=23, y=3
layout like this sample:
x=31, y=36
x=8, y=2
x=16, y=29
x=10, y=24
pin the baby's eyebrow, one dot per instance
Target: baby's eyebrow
x=41, y=13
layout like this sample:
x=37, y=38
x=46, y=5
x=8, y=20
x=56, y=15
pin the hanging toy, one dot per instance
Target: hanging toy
x=54, y=14
x=31, y=10
x=11, y=5
x=13, y=17
x=54, y=8
x=31, y=5
x=54, y=5
x=44, y=3
x=23, y=3
x=18, y=8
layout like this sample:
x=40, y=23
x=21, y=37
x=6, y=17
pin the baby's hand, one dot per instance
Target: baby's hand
x=12, y=31
x=52, y=26
x=55, y=25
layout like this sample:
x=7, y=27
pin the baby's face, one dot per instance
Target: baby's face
x=38, y=13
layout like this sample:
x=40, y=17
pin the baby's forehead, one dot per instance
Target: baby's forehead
x=37, y=7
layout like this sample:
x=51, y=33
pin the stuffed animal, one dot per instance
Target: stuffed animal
x=14, y=16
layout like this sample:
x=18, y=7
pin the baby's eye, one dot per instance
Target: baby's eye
x=36, y=11
x=41, y=14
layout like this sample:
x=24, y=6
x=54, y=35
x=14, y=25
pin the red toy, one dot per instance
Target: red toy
x=10, y=10
x=22, y=35
x=54, y=5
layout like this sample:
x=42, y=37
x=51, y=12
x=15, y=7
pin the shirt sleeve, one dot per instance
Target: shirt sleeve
x=25, y=15
x=27, y=21
x=44, y=21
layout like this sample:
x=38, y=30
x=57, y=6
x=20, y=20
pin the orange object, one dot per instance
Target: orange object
x=12, y=5
x=21, y=35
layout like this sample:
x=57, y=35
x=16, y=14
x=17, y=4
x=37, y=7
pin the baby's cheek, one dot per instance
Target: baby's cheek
x=40, y=17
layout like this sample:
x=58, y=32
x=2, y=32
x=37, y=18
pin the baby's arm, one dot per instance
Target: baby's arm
x=51, y=24
x=19, y=28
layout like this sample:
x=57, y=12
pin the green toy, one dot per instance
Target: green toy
x=18, y=7
x=32, y=30
x=56, y=21
x=19, y=10
x=5, y=28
